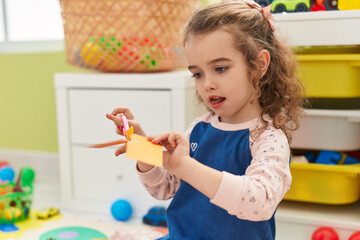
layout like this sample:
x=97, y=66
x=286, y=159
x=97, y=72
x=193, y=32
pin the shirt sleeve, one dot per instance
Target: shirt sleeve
x=160, y=183
x=256, y=195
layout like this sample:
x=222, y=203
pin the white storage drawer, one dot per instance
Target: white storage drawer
x=100, y=176
x=337, y=130
x=88, y=108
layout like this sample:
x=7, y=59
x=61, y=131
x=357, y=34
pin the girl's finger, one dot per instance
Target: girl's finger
x=128, y=114
x=180, y=138
x=117, y=121
x=119, y=131
x=120, y=150
x=172, y=139
x=110, y=116
x=159, y=138
x=167, y=146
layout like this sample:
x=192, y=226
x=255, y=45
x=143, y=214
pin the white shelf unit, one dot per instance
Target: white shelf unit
x=321, y=129
x=91, y=179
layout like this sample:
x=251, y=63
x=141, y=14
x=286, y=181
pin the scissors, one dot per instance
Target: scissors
x=127, y=131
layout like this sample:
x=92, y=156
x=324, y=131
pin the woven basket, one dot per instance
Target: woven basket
x=125, y=35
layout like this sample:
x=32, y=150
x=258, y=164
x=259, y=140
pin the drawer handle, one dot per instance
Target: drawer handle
x=119, y=177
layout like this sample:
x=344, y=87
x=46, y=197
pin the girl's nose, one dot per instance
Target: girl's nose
x=210, y=84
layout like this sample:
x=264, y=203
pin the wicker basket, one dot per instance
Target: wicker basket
x=125, y=35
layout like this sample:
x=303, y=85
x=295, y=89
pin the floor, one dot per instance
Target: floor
x=47, y=194
x=291, y=217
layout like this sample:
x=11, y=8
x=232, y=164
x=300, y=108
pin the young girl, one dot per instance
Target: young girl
x=230, y=170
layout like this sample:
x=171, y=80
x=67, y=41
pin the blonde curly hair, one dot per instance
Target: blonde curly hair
x=280, y=91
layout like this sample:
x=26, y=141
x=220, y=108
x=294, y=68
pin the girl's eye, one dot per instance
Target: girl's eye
x=197, y=75
x=221, y=69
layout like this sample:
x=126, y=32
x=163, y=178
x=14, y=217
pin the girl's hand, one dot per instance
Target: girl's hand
x=177, y=160
x=178, y=148
x=115, y=117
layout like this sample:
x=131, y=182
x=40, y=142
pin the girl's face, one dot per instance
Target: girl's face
x=221, y=76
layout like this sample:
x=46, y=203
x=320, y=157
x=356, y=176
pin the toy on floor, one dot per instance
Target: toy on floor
x=47, y=213
x=8, y=228
x=28, y=176
x=4, y=163
x=121, y=210
x=73, y=233
x=355, y=236
x=136, y=235
x=17, y=187
x=16, y=198
x=7, y=173
x=325, y=233
x=156, y=216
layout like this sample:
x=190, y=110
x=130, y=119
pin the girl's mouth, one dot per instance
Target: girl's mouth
x=216, y=102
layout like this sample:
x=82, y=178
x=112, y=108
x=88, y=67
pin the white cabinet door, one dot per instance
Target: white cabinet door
x=88, y=124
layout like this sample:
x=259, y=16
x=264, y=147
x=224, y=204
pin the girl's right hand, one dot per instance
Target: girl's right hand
x=115, y=117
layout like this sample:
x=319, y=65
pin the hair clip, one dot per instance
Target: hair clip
x=264, y=11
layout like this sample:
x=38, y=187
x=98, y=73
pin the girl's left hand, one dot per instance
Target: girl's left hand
x=178, y=149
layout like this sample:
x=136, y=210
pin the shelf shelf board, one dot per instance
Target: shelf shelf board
x=328, y=215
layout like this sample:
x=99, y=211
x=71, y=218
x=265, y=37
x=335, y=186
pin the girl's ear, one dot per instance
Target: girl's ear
x=263, y=61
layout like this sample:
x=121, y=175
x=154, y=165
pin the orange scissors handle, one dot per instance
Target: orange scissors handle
x=108, y=144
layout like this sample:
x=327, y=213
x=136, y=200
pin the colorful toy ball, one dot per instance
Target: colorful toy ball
x=27, y=176
x=4, y=163
x=121, y=210
x=325, y=233
x=355, y=236
x=7, y=173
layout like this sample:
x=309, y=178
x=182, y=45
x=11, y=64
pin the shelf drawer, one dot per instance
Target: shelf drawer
x=321, y=74
x=99, y=176
x=87, y=110
x=337, y=130
x=322, y=183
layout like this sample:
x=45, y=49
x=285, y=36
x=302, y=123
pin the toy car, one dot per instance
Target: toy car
x=156, y=216
x=279, y=6
x=263, y=3
x=47, y=213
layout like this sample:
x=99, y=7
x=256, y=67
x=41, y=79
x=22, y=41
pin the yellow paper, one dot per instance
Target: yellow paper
x=141, y=149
